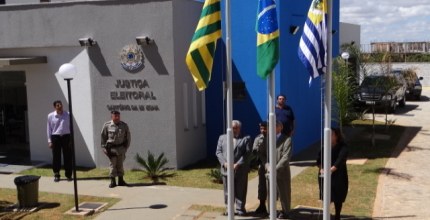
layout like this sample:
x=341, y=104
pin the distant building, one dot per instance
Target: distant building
x=400, y=47
x=349, y=34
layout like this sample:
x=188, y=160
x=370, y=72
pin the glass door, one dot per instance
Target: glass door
x=14, y=145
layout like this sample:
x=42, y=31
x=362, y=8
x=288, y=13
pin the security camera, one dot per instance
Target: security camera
x=144, y=40
x=87, y=42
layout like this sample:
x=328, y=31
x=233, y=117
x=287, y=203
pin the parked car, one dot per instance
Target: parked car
x=413, y=84
x=414, y=89
x=384, y=90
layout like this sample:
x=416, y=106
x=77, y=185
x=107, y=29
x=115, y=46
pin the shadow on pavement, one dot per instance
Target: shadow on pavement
x=146, y=184
x=93, y=178
x=404, y=110
x=155, y=206
x=390, y=172
x=312, y=213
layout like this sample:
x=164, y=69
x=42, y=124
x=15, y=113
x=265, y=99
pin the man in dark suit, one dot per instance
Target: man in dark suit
x=241, y=146
x=283, y=173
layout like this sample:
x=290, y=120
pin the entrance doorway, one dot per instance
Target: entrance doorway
x=14, y=147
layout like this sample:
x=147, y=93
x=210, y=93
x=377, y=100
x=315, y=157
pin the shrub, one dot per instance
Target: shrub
x=154, y=168
x=215, y=175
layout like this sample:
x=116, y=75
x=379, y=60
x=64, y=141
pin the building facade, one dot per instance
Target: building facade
x=149, y=83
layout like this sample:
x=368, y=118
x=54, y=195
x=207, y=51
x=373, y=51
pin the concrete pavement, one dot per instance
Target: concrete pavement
x=404, y=189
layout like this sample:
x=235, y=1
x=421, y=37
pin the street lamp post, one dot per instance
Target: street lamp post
x=345, y=56
x=67, y=71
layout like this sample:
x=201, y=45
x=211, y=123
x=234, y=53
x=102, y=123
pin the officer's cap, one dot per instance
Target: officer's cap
x=115, y=113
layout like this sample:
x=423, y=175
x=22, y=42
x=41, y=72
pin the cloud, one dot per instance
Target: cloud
x=388, y=20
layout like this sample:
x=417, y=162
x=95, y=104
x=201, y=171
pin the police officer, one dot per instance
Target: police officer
x=259, y=149
x=115, y=140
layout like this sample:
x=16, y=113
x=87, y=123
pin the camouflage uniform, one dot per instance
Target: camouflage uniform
x=117, y=138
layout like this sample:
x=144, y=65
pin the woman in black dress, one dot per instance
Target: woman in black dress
x=339, y=173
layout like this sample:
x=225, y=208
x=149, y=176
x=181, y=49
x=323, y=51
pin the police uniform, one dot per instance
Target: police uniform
x=115, y=138
x=260, y=150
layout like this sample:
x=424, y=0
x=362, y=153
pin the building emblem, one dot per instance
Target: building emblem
x=131, y=57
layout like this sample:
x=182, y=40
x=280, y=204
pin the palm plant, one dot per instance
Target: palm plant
x=343, y=91
x=154, y=168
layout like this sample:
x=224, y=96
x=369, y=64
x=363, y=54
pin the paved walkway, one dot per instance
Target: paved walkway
x=155, y=202
x=404, y=189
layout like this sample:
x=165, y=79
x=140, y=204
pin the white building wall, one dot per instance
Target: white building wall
x=189, y=106
x=349, y=33
x=53, y=30
x=44, y=86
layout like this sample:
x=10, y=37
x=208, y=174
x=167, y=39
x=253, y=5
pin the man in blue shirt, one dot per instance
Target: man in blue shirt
x=58, y=129
x=285, y=114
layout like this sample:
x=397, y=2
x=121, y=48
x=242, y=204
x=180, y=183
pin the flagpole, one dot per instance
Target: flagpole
x=230, y=160
x=272, y=146
x=327, y=117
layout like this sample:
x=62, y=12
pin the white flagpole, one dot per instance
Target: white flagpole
x=327, y=117
x=230, y=160
x=272, y=146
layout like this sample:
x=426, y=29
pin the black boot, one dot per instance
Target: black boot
x=112, y=182
x=121, y=181
x=261, y=208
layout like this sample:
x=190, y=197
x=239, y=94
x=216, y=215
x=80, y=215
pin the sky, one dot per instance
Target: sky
x=388, y=20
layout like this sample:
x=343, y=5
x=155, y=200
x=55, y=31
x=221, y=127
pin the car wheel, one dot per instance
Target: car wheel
x=402, y=102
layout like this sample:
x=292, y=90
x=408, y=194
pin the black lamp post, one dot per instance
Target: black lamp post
x=67, y=71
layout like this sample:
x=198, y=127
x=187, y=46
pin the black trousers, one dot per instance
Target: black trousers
x=61, y=144
x=262, y=183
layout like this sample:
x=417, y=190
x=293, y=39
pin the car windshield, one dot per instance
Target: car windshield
x=376, y=81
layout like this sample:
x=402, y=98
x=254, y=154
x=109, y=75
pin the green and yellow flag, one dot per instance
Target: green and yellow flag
x=201, y=53
x=267, y=38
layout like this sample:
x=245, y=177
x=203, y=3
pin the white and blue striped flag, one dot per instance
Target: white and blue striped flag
x=313, y=43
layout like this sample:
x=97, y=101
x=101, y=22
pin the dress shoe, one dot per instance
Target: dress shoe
x=261, y=210
x=69, y=178
x=283, y=216
x=57, y=178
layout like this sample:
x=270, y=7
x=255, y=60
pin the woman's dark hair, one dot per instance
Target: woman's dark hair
x=340, y=139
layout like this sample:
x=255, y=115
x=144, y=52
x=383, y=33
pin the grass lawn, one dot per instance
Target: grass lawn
x=195, y=175
x=53, y=205
x=363, y=179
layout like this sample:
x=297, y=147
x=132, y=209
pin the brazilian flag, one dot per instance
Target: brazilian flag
x=267, y=38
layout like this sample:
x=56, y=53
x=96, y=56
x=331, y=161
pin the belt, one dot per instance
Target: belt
x=60, y=135
x=116, y=145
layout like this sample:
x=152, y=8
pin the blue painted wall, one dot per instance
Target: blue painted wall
x=291, y=76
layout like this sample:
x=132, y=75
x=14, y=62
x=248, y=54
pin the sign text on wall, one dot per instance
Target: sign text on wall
x=135, y=90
